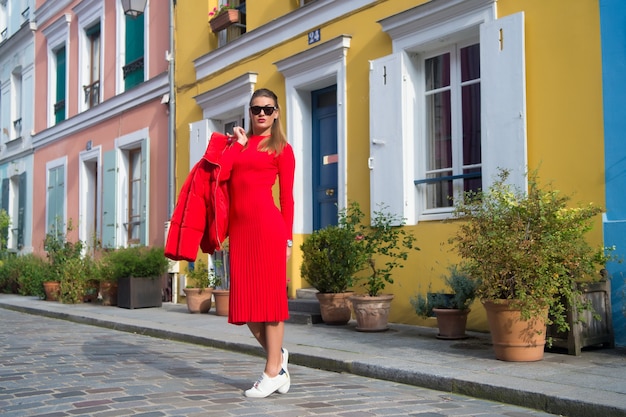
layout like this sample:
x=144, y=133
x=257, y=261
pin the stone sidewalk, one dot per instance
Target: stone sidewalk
x=592, y=384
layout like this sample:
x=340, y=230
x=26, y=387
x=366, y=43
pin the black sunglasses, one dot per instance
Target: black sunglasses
x=267, y=110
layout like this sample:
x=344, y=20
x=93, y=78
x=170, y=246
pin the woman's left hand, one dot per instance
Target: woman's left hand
x=240, y=133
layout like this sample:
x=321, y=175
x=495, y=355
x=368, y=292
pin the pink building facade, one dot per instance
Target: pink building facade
x=102, y=123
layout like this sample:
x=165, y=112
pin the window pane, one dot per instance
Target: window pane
x=439, y=194
x=134, y=197
x=470, y=63
x=438, y=72
x=471, y=124
x=439, y=131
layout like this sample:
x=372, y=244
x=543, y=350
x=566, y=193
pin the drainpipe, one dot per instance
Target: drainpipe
x=172, y=118
x=172, y=147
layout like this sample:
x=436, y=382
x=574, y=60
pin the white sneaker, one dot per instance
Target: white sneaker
x=266, y=386
x=285, y=388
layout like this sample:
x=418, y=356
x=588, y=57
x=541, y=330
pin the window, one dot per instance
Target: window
x=125, y=185
x=134, y=196
x=92, y=88
x=16, y=110
x=3, y=20
x=60, y=74
x=55, y=198
x=134, y=64
x=13, y=202
x=452, y=125
x=236, y=30
x=445, y=116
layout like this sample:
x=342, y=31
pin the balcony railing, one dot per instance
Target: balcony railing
x=92, y=93
x=17, y=128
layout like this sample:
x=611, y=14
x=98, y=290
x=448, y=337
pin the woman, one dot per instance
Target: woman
x=260, y=235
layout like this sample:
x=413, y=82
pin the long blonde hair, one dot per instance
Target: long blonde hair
x=277, y=140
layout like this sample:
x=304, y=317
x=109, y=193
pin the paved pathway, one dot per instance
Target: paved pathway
x=56, y=368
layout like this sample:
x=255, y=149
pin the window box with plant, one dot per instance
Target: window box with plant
x=222, y=17
x=528, y=252
x=450, y=309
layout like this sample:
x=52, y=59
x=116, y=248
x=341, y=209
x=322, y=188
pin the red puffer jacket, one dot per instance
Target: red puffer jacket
x=200, y=218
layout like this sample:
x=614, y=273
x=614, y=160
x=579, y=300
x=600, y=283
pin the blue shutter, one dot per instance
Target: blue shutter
x=386, y=144
x=4, y=232
x=143, y=193
x=109, y=200
x=21, y=208
x=503, y=91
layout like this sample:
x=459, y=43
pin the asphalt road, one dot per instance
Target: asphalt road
x=56, y=368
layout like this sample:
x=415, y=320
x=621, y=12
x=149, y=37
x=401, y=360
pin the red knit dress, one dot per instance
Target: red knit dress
x=258, y=230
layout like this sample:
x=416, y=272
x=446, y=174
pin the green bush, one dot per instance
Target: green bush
x=462, y=294
x=134, y=261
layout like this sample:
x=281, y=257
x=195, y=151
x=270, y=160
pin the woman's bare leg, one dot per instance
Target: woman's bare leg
x=270, y=337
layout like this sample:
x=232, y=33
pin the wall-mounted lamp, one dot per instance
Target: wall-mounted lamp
x=134, y=8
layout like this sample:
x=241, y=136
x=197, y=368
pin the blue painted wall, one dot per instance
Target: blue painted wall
x=613, y=36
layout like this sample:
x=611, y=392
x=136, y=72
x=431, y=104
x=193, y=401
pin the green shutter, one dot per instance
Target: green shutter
x=109, y=194
x=59, y=108
x=134, y=51
x=56, y=200
x=21, y=208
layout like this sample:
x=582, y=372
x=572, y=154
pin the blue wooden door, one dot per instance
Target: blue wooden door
x=325, y=158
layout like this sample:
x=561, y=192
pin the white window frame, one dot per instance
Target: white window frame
x=85, y=182
x=17, y=102
x=89, y=13
x=57, y=35
x=419, y=31
x=222, y=105
x=457, y=145
x=318, y=67
x=123, y=144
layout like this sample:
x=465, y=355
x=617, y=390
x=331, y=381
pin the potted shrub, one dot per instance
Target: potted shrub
x=199, y=292
x=331, y=257
x=221, y=281
x=68, y=270
x=138, y=271
x=527, y=251
x=385, y=248
x=450, y=309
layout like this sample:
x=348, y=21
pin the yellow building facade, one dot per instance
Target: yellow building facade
x=520, y=78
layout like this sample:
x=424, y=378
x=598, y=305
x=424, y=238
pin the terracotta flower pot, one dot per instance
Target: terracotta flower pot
x=222, y=301
x=372, y=313
x=198, y=300
x=451, y=322
x=515, y=339
x=335, y=308
x=52, y=290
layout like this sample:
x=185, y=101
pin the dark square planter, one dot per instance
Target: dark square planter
x=139, y=292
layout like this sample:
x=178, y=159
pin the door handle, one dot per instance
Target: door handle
x=330, y=192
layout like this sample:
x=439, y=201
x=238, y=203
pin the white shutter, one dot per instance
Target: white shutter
x=198, y=141
x=386, y=146
x=503, y=91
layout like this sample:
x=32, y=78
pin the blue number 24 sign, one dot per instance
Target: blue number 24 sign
x=314, y=36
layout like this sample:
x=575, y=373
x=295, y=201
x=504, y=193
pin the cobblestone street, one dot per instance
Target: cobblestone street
x=52, y=367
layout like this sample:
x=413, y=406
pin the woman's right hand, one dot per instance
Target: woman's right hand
x=240, y=134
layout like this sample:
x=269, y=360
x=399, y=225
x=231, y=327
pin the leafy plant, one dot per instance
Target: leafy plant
x=462, y=294
x=60, y=250
x=134, y=261
x=218, y=11
x=202, y=276
x=332, y=255
x=385, y=246
x=528, y=247
x=31, y=271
